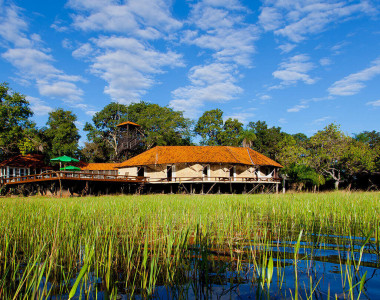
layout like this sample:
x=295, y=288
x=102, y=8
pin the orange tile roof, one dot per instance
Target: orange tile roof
x=98, y=166
x=127, y=123
x=25, y=161
x=199, y=154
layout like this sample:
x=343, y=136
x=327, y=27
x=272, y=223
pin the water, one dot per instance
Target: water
x=326, y=269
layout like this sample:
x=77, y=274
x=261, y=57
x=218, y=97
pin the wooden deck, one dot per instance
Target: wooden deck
x=66, y=175
x=84, y=176
x=85, y=183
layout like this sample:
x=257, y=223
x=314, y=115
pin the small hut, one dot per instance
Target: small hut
x=22, y=165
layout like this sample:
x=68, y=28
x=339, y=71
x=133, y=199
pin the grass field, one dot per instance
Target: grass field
x=190, y=246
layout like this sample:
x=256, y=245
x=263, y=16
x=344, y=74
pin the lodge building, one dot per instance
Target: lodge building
x=200, y=163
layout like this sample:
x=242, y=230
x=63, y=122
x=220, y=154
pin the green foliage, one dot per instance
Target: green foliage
x=232, y=134
x=15, y=126
x=215, y=132
x=209, y=127
x=292, y=152
x=162, y=125
x=61, y=133
x=372, y=140
x=104, y=134
x=328, y=149
x=267, y=139
x=300, y=173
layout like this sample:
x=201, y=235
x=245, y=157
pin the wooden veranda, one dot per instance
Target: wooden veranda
x=85, y=183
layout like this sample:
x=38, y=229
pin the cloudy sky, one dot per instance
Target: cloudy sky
x=297, y=64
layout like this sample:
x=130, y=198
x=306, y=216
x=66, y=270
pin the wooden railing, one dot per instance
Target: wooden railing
x=62, y=175
x=213, y=179
x=67, y=175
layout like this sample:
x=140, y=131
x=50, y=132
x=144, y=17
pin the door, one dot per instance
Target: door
x=169, y=173
x=140, y=172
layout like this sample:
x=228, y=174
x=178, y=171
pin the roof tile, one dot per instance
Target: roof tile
x=199, y=154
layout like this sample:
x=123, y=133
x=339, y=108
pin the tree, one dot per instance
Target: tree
x=372, y=139
x=209, y=127
x=61, y=134
x=162, y=126
x=104, y=131
x=329, y=147
x=16, y=130
x=232, y=133
x=267, y=139
x=215, y=132
x=93, y=153
x=292, y=152
x=358, y=159
x=300, y=175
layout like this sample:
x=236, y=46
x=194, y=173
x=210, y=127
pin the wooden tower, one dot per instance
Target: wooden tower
x=130, y=138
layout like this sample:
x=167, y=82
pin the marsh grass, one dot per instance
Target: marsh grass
x=188, y=246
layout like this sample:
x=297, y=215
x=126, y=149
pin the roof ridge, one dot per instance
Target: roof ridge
x=237, y=161
x=249, y=154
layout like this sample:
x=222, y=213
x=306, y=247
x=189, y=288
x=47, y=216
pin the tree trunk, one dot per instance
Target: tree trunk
x=336, y=185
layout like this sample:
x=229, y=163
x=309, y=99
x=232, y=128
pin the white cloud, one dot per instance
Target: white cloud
x=127, y=65
x=222, y=31
x=218, y=26
x=33, y=62
x=13, y=25
x=39, y=107
x=353, y=83
x=297, y=19
x=209, y=83
x=325, y=61
x=282, y=121
x=243, y=117
x=270, y=18
x=295, y=69
x=83, y=51
x=59, y=90
x=297, y=108
x=141, y=18
x=286, y=48
x=265, y=97
x=321, y=120
x=374, y=103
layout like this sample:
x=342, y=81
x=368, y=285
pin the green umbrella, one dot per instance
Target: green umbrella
x=70, y=168
x=65, y=159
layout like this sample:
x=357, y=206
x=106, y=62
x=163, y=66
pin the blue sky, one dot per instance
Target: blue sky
x=297, y=64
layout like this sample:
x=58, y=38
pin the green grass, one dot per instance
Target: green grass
x=131, y=244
